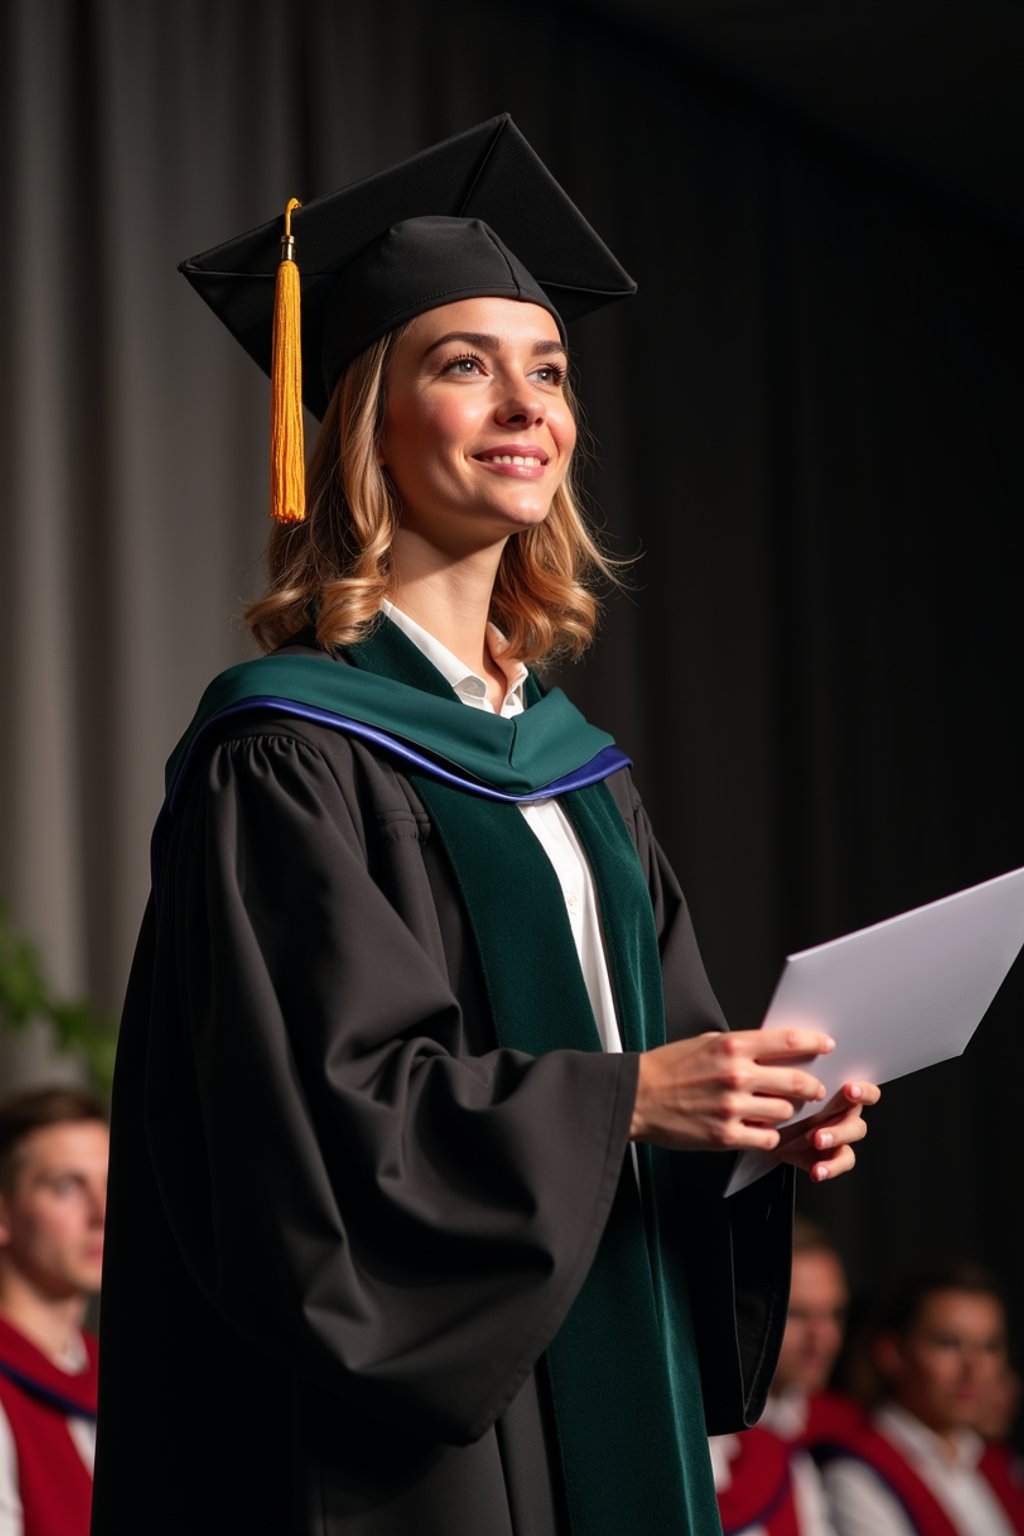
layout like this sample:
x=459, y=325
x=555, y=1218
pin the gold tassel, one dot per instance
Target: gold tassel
x=287, y=449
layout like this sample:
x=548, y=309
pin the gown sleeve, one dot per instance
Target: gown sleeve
x=738, y=1249
x=403, y=1222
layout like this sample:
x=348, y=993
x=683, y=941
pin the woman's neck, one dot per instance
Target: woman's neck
x=452, y=601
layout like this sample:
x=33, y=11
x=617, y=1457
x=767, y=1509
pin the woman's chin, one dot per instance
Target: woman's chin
x=469, y=530
x=515, y=514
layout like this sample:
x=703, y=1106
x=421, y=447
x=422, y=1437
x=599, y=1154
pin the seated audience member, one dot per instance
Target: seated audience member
x=53, y=1177
x=999, y=1407
x=766, y=1486
x=1001, y=1462
x=799, y=1408
x=918, y=1467
x=764, y=1478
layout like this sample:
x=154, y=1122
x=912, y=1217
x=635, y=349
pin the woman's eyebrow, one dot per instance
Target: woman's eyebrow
x=473, y=338
x=492, y=343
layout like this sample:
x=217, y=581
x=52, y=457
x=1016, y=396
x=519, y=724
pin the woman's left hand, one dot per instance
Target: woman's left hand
x=822, y=1145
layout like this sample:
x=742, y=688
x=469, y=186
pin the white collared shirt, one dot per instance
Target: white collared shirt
x=863, y=1506
x=545, y=818
x=785, y=1413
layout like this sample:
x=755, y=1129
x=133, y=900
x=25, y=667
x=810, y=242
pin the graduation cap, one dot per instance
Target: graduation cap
x=476, y=215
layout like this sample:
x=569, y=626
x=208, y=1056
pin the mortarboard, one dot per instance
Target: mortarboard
x=476, y=215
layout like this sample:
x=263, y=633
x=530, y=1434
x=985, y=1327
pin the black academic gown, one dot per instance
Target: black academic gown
x=343, y=1225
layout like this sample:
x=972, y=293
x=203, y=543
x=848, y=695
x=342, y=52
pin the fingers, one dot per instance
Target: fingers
x=795, y=1086
x=743, y=1136
x=843, y=1162
x=710, y=1092
x=837, y=1126
x=732, y=1092
x=761, y=1108
x=817, y=1165
x=780, y=1043
x=865, y=1094
x=845, y=1130
x=825, y=1147
x=745, y=1067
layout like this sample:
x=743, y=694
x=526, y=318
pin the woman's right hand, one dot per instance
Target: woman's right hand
x=726, y=1092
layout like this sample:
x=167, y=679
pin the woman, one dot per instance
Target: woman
x=420, y=1190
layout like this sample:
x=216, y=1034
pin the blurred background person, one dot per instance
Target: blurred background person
x=765, y=1479
x=999, y=1407
x=1001, y=1461
x=767, y=1486
x=800, y=1409
x=918, y=1467
x=53, y=1179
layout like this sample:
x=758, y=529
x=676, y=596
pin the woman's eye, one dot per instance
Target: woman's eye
x=465, y=366
x=550, y=373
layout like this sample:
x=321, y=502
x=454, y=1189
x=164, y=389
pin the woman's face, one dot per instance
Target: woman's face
x=477, y=431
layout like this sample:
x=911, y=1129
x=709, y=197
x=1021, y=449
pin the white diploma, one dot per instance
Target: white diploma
x=899, y=995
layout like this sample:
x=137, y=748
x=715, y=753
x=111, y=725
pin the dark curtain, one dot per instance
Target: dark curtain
x=806, y=425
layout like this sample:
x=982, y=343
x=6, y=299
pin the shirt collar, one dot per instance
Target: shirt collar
x=923, y=1444
x=785, y=1412
x=466, y=683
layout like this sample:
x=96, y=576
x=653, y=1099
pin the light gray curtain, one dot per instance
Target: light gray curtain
x=131, y=443
x=138, y=132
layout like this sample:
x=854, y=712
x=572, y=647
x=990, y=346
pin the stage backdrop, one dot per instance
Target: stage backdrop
x=807, y=429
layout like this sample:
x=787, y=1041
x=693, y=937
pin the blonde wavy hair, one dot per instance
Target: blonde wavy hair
x=333, y=569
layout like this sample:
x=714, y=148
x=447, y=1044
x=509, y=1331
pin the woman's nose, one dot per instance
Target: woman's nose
x=522, y=406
